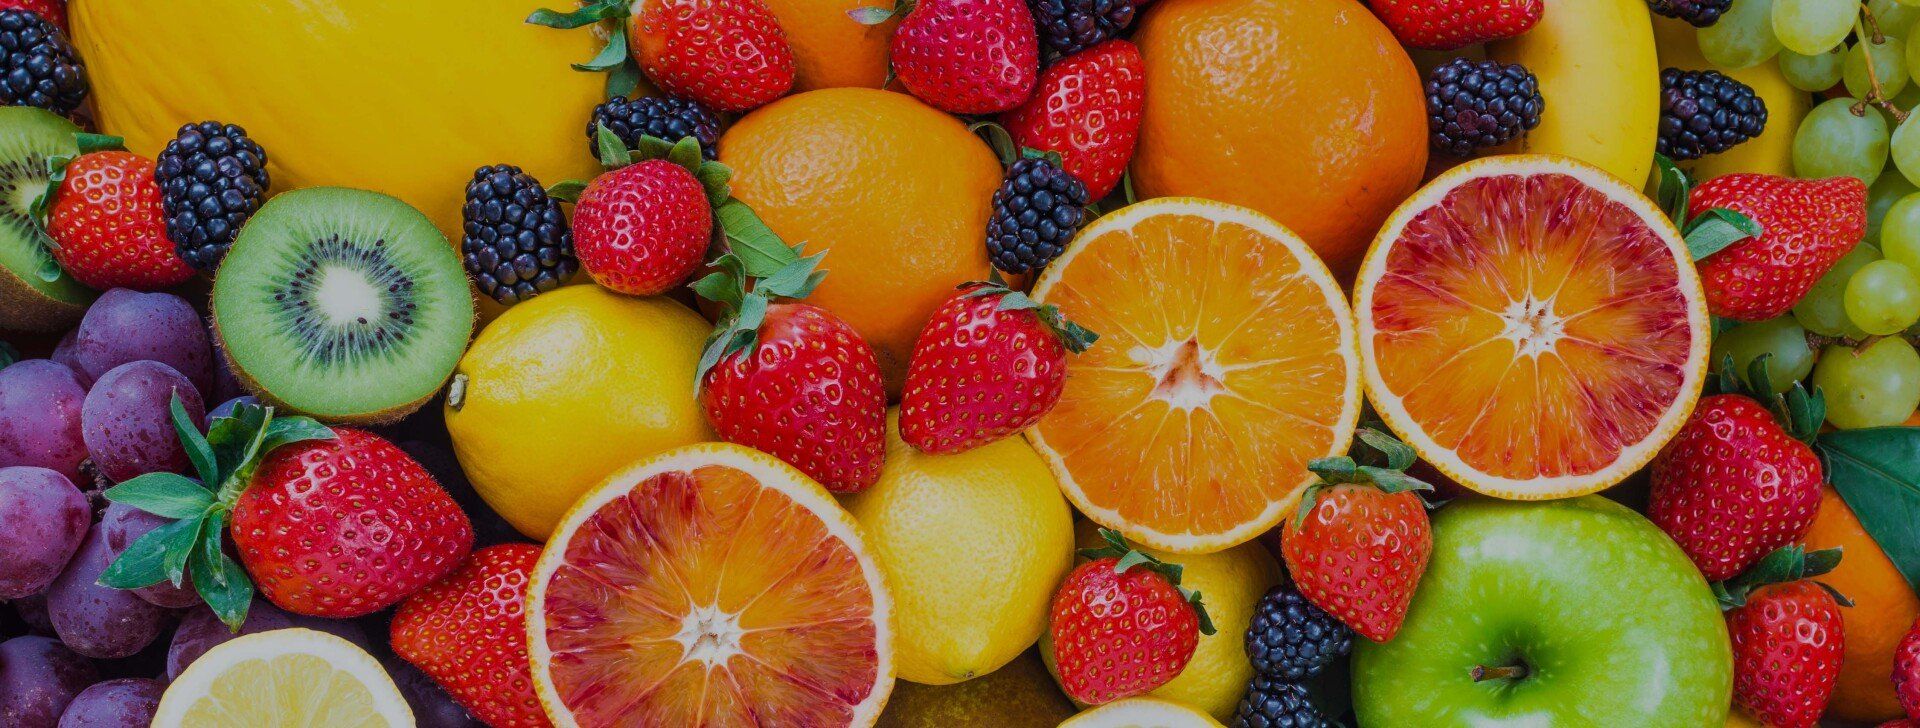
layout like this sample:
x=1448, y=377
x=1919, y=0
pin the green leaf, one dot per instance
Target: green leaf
x=1805, y=412
x=1759, y=380
x=288, y=430
x=621, y=81
x=1073, y=336
x=151, y=558
x=611, y=55
x=230, y=436
x=162, y=494
x=1126, y=187
x=8, y=355
x=1400, y=456
x=999, y=140
x=585, y=16
x=686, y=154
x=1338, y=469
x=1393, y=481
x=90, y=143
x=612, y=150
x=1130, y=560
x=198, y=451
x=727, y=285
x=870, y=15
x=49, y=268
x=1673, y=189
x=1199, y=610
x=716, y=179
x=1716, y=229
x=240, y=468
x=761, y=252
x=567, y=190
x=220, y=581
x=651, y=147
x=1308, y=498
x=797, y=280
x=1046, y=154
x=1819, y=562
x=1877, y=473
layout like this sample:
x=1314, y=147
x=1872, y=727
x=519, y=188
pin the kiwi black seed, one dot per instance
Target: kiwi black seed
x=34, y=294
x=343, y=304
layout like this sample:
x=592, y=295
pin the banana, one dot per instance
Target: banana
x=1600, y=78
x=1772, y=151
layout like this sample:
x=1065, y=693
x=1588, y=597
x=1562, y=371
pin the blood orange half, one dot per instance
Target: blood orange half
x=1226, y=361
x=711, y=585
x=1532, y=326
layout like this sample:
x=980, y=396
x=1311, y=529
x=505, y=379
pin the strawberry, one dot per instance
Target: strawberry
x=1900, y=723
x=55, y=11
x=1121, y=625
x=730, y=55
x=989, y=363
x=963, y=56
x=1444, y=25
x=1733, y=485
x=1358, y=541
x=1087, y=108
x=644, y=226
x=1805, y=227
x=107, y=225
x=1787, y=637
x=469, y=633
x=1906, y=671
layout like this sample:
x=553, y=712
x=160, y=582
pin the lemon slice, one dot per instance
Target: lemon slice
x=285, y=678
x=1142, y=713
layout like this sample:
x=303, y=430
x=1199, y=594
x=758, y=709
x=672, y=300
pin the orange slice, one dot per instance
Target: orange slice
x=711, y=585
x=1532, y=326
x=1226, y=362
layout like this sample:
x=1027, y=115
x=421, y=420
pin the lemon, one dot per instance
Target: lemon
x=284, y=678
x=1142, y=713
x=563, y=390
x=973, y=545
x=1018, y=695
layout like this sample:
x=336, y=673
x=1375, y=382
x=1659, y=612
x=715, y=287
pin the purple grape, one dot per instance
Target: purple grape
x=200, y=631
x=33, y=611
x=127, y=425
x=100, y=621
x=122, y=525
x=40, y=403
x=225, y=385
x=432, y=706
x=125, y=703
x=42, y=519
x=63, y=353
x=226, y=408
x=125, y=326
x=38, y=678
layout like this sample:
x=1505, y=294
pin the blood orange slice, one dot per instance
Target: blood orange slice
x=711, y=585
x=1226, y=361
x=1532, y=326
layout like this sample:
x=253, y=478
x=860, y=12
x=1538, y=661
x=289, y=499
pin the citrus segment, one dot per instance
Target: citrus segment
x=1226, y=361
x=1532, y=326
x=711, y=585
x=287, y=678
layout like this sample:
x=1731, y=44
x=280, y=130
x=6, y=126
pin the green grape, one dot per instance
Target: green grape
x=1903, y=147
x=1743, y=37
x=1890, y=188
x=1893, y=17
x=1781, y=337
x=1823, y=311
x=1876, y=386
x=1811, y=26
x=1817, y=72
x=1883, y=298
x=1900, y=231
x=1832, y=141
x=1889, y=65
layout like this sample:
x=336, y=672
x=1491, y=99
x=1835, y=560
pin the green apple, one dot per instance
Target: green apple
x=1565, y=613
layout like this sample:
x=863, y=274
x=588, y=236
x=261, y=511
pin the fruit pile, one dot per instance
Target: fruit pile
x=1089, y=363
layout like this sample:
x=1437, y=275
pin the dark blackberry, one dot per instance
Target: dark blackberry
x=660, y=117
x=1476, y=104
x=1291, y=639
x=38, y=67
x=1274, y=703
x=1036, y=211
x=1070, y=26
x=212, y=178
x=1705, y=112
x=1698, y=13
x=517, y=244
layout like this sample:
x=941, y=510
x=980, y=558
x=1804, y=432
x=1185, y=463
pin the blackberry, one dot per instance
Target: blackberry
x=1274, y=703
x=212, y=178
x=1698, y=13
x=38, y=67
x=1705, y=112
x=1291, y=639
x=1475, y=104
x=1036, y=211
x=517, y=244
x=664, y=118
x=1070, y=26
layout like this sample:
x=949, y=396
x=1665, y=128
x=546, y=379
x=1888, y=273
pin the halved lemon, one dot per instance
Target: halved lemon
x=710, y=585
x=1532, y=326
x=284, y=678
x=1142, y=713
x=1226, y=361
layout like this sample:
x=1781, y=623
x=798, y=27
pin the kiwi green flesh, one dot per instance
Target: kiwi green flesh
x=35, y=295
x=343, y=304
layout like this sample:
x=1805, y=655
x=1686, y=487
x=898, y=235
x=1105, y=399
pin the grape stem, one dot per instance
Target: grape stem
x=1875, y=95
x=1818, y=342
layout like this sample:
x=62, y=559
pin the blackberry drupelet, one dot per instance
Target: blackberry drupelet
x=1036, y=211
x=1070, y=26
x=1705, y=112
x=212, y=179
x=517, y=244
x=1274, y=703
x=1291, y=639
x=1698, y=13
x=1476, y=104
x=38, y=67
x=660, y=117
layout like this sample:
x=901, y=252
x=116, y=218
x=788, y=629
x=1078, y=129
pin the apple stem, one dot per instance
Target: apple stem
x=1482, y=673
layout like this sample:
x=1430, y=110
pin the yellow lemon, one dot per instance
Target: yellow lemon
x=566, y=388
x=1142, y=713
x=1018, y=695
x=291, y=678
x=974, y=545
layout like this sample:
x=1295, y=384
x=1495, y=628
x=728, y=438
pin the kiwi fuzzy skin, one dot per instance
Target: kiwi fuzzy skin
x=25, y=309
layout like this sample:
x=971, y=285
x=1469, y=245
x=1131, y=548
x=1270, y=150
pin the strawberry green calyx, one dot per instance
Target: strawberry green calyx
x=875, y=15
x=756, y=268
x=1708, y=232
x=1799, y=411
x=1128, y=557
x=1389, y=475
x=57, y=171
x=1073, y=336
x=224, y=459
x=623, y=72
x=714, y=177
x=1786, y=564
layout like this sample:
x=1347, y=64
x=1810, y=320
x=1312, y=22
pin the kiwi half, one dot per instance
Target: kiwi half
x=35, y=295
x=343, y=304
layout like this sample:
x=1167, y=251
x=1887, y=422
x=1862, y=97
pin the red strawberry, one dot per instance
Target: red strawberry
x=1906, y=671
x=728, y=54
x=55, y=11
x=1445, y=25
x=642, y=229
x=1121, y=625
x=469, y=633
x=967, y=56
x=1900, y=723
x=1807, y=226
x=1358, y=544
x=1787, y=642
x=989, y=364
x=1088, y=109
x=345, y=527
x=1733, y=486
x=107, y=226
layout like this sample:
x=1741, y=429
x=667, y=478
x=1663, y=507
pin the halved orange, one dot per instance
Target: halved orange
x=1226, y=361
x=711, y=585
x=1532, y=326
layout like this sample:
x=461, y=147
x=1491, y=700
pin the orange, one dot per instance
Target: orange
x=711, y=585
x=896, y=192
x=1226, y=361
x=1532, y=326
x=1306, y=110
x=830, y=50
x=1884, y=607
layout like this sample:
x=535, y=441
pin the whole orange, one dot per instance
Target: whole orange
x=896, y=192
x=1306, y=110
x=830, y=50
x=1883, y=608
